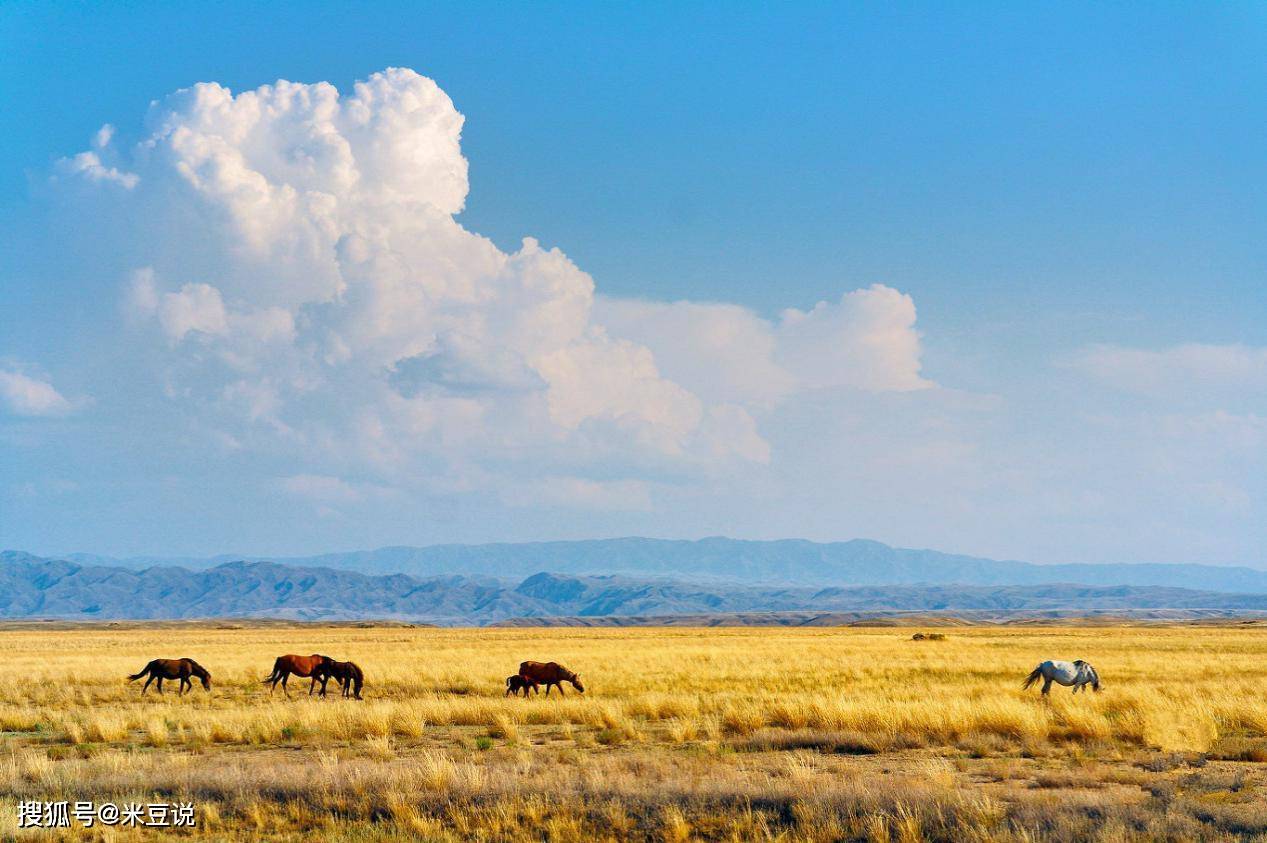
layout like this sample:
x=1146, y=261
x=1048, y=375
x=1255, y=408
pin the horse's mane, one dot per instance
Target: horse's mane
x=197, y=669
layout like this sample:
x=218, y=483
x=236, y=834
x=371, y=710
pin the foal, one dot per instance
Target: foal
x=347, y=674
x=517, y=683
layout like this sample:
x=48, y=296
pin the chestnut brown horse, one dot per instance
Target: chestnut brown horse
x=181, y=669
x=517, y=683
x=550, y=673
x=302, y=666
x=347, y=674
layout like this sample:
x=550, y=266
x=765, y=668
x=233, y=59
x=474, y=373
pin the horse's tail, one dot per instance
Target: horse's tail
x=509, y=679
x=277, y=669
x=1032, y=678
x=144, y=671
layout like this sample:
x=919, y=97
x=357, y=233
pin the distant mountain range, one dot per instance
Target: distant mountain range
x=34, y=587
x=792, y=562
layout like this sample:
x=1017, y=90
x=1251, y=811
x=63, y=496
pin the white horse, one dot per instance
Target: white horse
x=1078, y=673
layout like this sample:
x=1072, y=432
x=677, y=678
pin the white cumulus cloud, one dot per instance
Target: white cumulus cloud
x=865, y=341
x=24, y=395
x=308, y=291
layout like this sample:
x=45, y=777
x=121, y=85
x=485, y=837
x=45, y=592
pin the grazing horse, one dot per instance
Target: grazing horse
x=1078, y=673
x=517, y=683
x=181, y=669
x=347, y=674
x=550, y=673
x=302, y=666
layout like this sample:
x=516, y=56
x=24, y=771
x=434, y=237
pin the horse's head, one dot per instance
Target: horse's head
x=206, y=680
x=576, y=682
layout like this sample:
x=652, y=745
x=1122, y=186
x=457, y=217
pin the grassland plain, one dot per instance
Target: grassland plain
x=727, y=734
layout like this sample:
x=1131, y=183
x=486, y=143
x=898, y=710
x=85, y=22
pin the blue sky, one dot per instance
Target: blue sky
x=1070, y=198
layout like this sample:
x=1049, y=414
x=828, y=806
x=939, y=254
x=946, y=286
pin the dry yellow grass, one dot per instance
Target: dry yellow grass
x=808, y=734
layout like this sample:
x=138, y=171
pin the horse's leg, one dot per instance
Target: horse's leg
x=1046, y=686
x=559, y=685
x=147, y=684
x=285, y=677
x=160, y=684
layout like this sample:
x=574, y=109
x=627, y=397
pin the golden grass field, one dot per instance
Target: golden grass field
x=718, y=734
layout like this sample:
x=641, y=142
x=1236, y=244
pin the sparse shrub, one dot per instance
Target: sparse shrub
x=292, y=732
x=609, y=737
x=1163, y=762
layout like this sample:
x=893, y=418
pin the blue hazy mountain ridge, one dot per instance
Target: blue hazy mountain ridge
x=788, y=561
x=34, y=587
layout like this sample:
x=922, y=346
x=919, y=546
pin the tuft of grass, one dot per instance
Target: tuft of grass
x=503, y=727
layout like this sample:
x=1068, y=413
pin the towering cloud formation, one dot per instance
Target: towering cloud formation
x=308, y=288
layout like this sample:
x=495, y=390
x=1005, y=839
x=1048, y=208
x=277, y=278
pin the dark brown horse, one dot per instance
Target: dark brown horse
x=181, y=669
x=302, y=666
x=517, y=683
x=550, y=673
x=347, y=674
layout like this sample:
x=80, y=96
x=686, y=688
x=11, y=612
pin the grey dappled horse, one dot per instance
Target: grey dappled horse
x=1078, y=673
